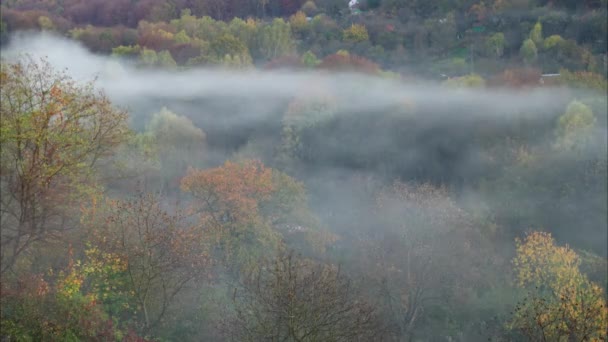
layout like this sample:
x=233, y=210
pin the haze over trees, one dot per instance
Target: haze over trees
x=285, y=170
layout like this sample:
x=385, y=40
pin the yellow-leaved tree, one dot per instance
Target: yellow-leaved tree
x=561, y=303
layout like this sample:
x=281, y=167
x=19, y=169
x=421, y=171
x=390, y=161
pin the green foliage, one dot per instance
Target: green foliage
x=495, y=44
x=229, y=50
x=148, y=57
x=275, y=40
x=536, y=35
x=553, y=42
x=165, y=60
x=182, y=37
x=528, y=51
x=575, y=128
x=310, y=60
x=468, y=81
x=126, y=51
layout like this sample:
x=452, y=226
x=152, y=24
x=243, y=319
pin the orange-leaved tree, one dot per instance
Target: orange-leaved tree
x=227, y=200
x=250, y=210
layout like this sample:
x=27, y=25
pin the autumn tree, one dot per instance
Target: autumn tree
x=249, y=210
x=54, y=135
x=140, y=250
x=355, y=34
x=294, y=299
x=562, y=304
x=227, y=200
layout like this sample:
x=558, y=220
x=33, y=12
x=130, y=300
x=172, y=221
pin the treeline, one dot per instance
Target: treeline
x=435, y=39
x=114, y=235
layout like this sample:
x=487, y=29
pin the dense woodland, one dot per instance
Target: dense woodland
x=288, y=170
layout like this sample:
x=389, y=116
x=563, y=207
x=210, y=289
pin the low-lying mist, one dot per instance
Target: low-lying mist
x=403, y=197
x=364, y=126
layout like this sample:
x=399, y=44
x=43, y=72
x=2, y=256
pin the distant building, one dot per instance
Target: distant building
x=354, y=6
x=549, y=78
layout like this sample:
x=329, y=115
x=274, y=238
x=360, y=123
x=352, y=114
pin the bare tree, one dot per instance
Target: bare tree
x=291, y=299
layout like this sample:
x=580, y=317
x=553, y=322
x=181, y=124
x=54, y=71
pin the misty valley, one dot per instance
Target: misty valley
x=303, y=171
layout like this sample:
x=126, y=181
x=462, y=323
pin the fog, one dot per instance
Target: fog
x=435, y=138
x=454, y=174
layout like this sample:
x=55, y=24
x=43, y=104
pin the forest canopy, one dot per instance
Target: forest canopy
x=285, y=170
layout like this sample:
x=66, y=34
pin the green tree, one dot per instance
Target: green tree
x=310, y=60
x=275, y=40
x=177, y=143
x=536, y=35
x=528, y=51
x=165, y=60
x=495, y=44
x=575, y=128
x=226, y=48
x=126, y=51
x=553, y=42
x=182, y=37
x=148, y=57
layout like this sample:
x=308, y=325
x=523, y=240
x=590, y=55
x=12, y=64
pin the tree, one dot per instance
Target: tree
x=355, y=34
x=553, y=42
x=177, y=143
x=165, y=60
x=496, y=44
x=536, y=35
x=275, y=40
x=299, y=24
x=249, y=211
x=226, y=48
x=575, y=127
x=528, y=51
x=417, y=253
x=562, y=304
x=156, y=255
x=54, y=135
x=309, y=59
x=292, y=299
x=148, y=57
x=227, y=200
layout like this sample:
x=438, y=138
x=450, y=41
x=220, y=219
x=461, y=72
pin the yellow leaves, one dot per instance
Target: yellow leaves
x=355, y=34
x=540, y=262
x=562, y=299
x=298, y=22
